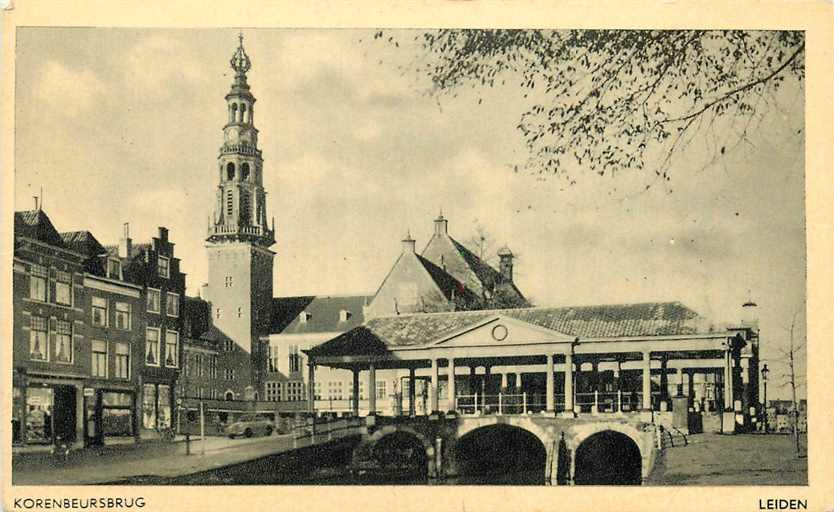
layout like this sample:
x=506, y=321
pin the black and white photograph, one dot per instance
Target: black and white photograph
x=428, y=257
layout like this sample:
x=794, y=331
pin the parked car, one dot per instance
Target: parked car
x=249, y=425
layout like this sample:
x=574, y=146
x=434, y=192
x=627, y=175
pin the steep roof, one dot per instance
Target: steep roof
x=323, y=313
x=465, y=266
x=607, y=321
x=35, y=224
x=83, y=242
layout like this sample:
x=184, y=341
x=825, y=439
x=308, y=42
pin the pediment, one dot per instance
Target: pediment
x=501, y=330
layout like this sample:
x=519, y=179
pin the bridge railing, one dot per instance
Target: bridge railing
x=323, y=429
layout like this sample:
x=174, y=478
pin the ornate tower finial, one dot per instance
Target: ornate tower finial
x=240, y=61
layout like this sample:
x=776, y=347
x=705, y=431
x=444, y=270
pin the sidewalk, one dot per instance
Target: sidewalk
x=114, y=464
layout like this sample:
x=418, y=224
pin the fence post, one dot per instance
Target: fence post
x=619, y=400
x=524, y=403
x=475, y=409
x=500, y=404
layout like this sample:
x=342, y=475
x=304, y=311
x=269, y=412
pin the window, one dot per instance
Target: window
x=152, y=346
x=230, y=168
x=37, y=283
x=149, y=406
x=172, y=304
x=344, y=315
x=245, y=215
x=123, y=316
x=213, y=367
x=229, y=373
x=303, y=317
x=100, y=311
x=230, y=202
x=272, y=391
x=153, y=300
x=198, y=365
x=230, y=396
x=244, y=171
x=229, y=281
x=163, y=266
x=380, y=389
x=335, y=390
x=37, y=339
x=172, y=342
x=295, y=359
x=122, y=361
x=272, y=359
x=99, y=368
x=114, y=269
x=295, y=391
x=63, y=286
x=218, y=313
x=63, y=342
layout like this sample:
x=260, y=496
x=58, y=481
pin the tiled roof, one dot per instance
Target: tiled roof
x=609, y=321
x=83, y=242
x=36, y=224
x=323, y=313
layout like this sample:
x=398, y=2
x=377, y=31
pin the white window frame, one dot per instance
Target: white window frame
x=158, y=302
x=43, y=276
x=158, y=350
x=93, y=308
x=45, y=346
x=71, y=342
x=176, y=349
x=116, y=358
x=167, y=260
x=93, y=359
x=168, y=301
x=129, y=315
x=63, y=279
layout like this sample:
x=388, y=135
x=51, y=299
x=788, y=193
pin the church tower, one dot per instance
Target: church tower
x=240, y=262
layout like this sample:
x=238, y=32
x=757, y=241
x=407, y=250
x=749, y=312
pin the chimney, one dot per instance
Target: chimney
x=409, y=245
x=163, y=234
x=125, y=244
x=441, y=225
x=506, y=264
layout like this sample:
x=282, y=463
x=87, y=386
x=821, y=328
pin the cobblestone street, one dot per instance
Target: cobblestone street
x=744, y=459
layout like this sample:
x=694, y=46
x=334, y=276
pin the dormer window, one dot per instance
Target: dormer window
x=114, y=269
x=344, y=315
x=304, y=316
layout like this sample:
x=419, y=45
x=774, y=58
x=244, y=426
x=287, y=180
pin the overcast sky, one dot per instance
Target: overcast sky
x=124, y=126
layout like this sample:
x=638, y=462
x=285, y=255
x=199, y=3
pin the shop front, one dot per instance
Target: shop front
x=44, y=412
x=109, y=416
x=157, y=408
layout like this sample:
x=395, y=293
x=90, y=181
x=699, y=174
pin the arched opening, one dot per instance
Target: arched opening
x=500, y=455
x=608, y=458
x=233, y=117
x=401, y=456
x=243, y=113
x=244, y=171
x=230, y=396
x=230, y=171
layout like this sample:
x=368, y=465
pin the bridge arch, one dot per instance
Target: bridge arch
x=611, y=453
x=401, y=431
x=507, y=452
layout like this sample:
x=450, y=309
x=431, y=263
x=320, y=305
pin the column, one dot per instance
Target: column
x=435, y=379
x=647, y=381
x=550, y=404
x=371, y=390
x=355, y=392
x=411, y=394
x=569, y=383
x=728, y=381
x=503, y=382
x=664, y=379
x=681, y=373
x=311, y=386
x=518, y=382
x=618, y=384
x=472, y=388
x=451, y=405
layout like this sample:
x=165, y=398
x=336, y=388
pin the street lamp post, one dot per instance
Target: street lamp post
x=765, y=371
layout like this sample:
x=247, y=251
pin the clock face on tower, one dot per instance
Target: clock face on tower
x=232, y=134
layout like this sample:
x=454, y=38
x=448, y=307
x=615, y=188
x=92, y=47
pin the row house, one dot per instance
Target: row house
x=51, y=352
x=97, y=348
x=155, y=269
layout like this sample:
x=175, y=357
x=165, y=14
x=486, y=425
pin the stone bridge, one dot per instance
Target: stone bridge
x=583, y=450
